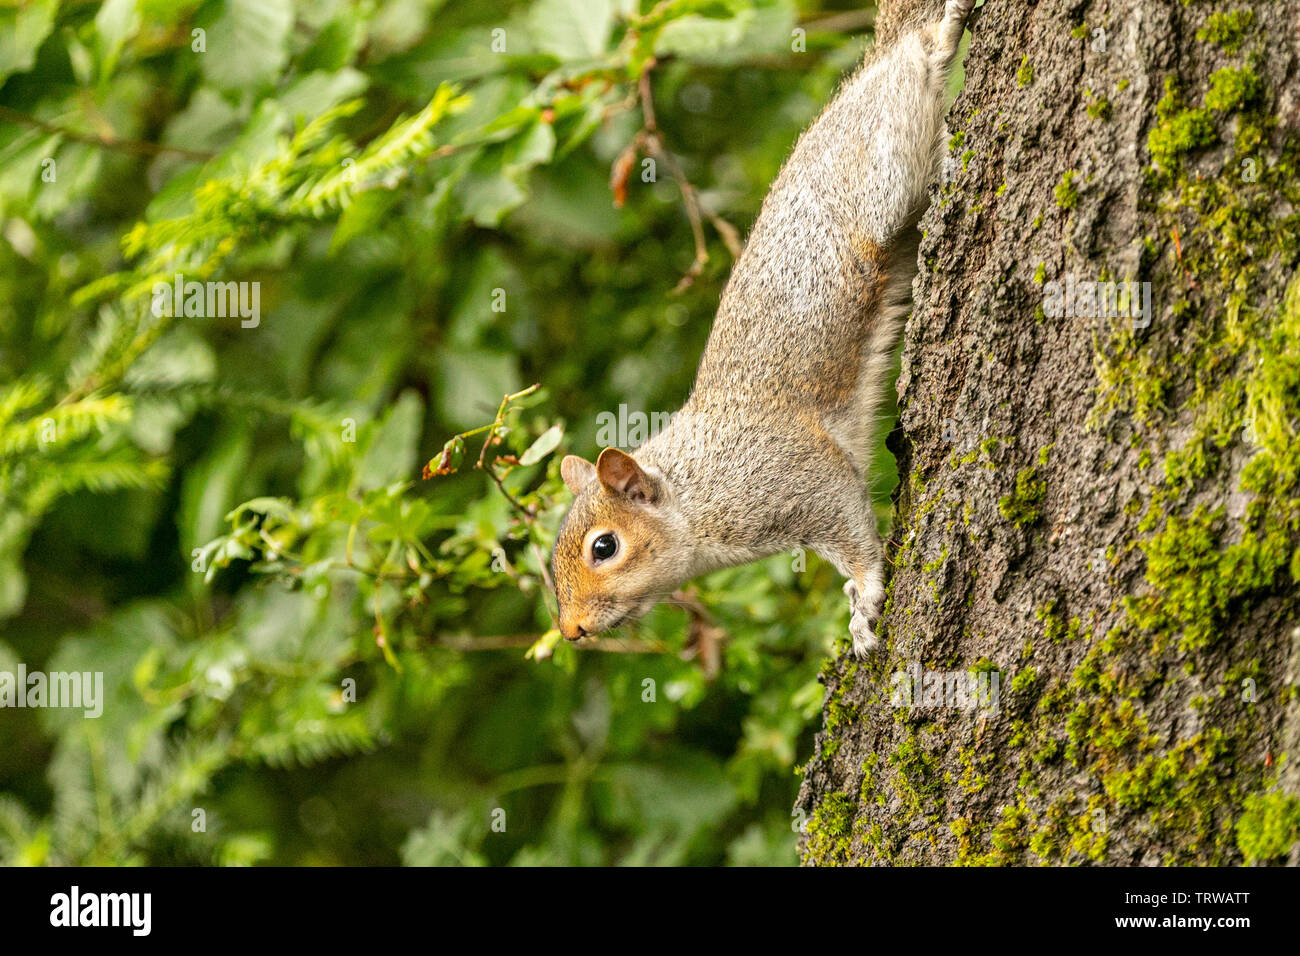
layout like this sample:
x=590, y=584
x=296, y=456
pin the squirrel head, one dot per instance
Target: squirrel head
x=621, y=546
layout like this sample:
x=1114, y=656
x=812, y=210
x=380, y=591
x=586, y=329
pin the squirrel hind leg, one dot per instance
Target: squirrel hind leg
x=856, y=551
x=948, y=31
x=865, y=599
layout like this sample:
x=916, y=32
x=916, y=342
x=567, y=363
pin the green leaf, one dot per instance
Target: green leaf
x=546, y=443
x=391, y=453
x=472, y=383
x=488, y=197
x=702, y=38
x=210, y=486
x=317, y=92
x=544, y=646
x=117, y=21
x=280, y=508
x=448, y=460
x=534, y=147
x=728, y=41
x=13, y=585
x=246, y=46
x=22, y=31
x=571, y=29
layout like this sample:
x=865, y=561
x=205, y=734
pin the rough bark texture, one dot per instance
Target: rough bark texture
x=1106, y=516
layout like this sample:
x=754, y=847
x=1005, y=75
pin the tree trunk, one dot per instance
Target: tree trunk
x=1098, y=517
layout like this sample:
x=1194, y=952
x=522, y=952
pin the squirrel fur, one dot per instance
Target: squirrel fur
x=771, y=450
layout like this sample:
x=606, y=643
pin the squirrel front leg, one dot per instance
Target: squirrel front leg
x=858, y=554
x=826, y=506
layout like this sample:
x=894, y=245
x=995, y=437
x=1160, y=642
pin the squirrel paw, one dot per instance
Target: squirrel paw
x=864, y=606
x=864, y=638
x=956, y=11
x=949, y=31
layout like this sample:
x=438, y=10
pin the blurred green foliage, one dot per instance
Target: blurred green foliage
x=301, y=637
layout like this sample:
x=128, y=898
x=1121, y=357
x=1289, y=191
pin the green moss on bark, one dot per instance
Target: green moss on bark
x=1227, y=28
x=1269, y=826
x=1022, y=506
x=829, y=832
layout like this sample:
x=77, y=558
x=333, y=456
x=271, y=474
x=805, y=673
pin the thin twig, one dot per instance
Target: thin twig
x=133, y=146
x=847, y=21
x=496, y=642
x=650, y=139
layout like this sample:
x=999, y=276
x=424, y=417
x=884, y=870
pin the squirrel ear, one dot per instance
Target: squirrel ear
x=576, y=472
x=621, y=475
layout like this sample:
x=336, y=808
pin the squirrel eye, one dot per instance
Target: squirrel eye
x=604, y=547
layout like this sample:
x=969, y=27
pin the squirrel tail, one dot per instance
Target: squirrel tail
x=896, y=18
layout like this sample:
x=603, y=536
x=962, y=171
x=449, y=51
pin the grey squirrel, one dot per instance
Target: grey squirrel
x=770, y=451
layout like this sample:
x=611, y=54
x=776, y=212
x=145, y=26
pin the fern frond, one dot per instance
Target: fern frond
x=405, y=141
x=21, y=396
x=63, y=425
x=104, y=476
x=311, y=741
x=187, y=772
x=17, y=829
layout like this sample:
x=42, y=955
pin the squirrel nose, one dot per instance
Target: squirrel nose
x=572, y=630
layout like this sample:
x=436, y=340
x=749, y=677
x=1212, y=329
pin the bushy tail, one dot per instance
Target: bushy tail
x=895, y=18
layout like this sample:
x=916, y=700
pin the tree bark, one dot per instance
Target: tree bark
x=1102, y=513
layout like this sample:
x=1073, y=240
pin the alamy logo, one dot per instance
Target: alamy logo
x=212, y=300
x=73, y=689
x=962, y=690
x=628, y=429
x=1088, y=299
x=74, y=908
